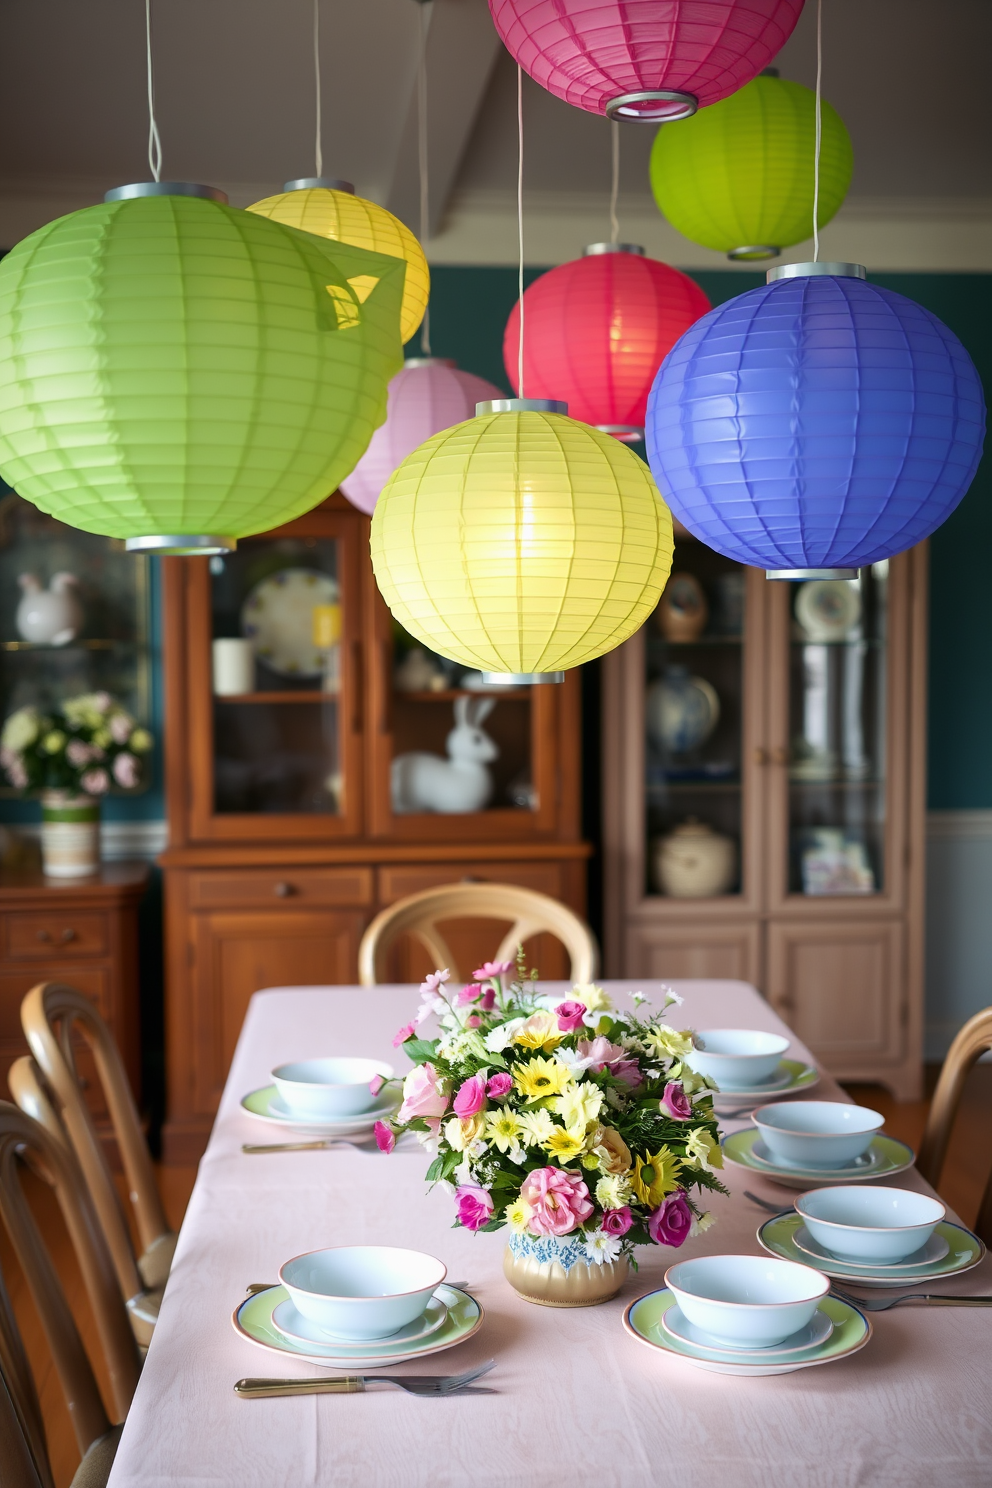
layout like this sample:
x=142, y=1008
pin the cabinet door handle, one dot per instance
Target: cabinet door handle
x=761, y=756
x=44, y=935
x=283, y=890
x=780, y=756
x=66, y=936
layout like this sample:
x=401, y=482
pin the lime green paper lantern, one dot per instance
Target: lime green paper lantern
x=738, y=175
x=180, y=373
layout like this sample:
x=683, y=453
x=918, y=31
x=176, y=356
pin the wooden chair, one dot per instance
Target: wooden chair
x=974, y=1039
x=21, y=1138
x=530, y=912
x=50, y=1014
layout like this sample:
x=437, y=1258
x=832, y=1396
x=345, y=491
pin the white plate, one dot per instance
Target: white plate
x=816, y=1331
x=867, y=1163
x=936, y=1249
x=827, y=608
x=293, y=1325
x=795, y=1077
x=277, y=617
x=266, y=1105
x=889, y=1156
x=777, y=1236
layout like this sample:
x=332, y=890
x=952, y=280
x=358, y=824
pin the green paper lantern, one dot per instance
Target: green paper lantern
x=738, y=175
x=180, y=373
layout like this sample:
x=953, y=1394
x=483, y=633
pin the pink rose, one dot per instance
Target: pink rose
x=471, y=1097
x=471, y=993
x=95, y=782
x=676, y=1102
x=617, y=1221
x=492, y=969
x=671, y=1221
x=422, y=1094
x=559, y=1201
x=17, y=774
x=384, y=1139
x=101, y=701
x=500, y=1084
x=488, y=1000
x=404, y=1033
x=474, y=1022
x=120, y=728
x=600, y=1052
x=78, y=753
x=475, y=1207
x=570, y=1015
x=376, y=1083
x=126, y=770
x=627, y=1070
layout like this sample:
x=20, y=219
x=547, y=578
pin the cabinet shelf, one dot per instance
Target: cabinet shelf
x=308, y=696
x=837, y=784
x=94, y=645
x=684, y=787
x=731, y=640
x=449, y=694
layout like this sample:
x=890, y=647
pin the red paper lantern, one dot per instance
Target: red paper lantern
x=597, y=330
x=644, y=59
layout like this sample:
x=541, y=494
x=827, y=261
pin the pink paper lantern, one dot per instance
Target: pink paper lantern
x=428, y=395
x=644, y=59
x=597, y=329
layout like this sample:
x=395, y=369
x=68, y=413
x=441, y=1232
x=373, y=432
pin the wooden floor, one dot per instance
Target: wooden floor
x=962, y=1184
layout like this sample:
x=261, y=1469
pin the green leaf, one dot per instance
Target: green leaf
x=419, y=1050
x=435, y=1170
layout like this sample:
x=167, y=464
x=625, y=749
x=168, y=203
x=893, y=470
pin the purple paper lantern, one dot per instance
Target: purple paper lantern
x=816, y=424
x=429, y=394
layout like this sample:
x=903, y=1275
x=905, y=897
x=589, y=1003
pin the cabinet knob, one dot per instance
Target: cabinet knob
x=66, y=936
x=761, y=756
x=44, y=935
x=283, y=890
x=780, y=755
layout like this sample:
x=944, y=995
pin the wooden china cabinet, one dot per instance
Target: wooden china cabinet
x=778, y=754
x=283, y=837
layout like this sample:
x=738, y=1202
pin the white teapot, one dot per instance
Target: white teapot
x=52, y=616
x=694, y=862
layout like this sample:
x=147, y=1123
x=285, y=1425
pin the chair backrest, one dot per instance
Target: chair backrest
x=974, y=1040
x=22, y=1138
x=531, y=913
x=20, y=1409
x=50, y=1014
x=22, y=1468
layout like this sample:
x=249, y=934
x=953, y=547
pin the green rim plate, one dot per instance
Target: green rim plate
x=259, y=1103
x=642, y=1321
x=894, y=1157
x=253, y=1320
x=777, y=1236
x=804, y=1077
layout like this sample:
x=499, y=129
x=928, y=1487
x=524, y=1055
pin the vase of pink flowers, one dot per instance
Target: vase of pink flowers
x=575, y=1126
x=71, y=756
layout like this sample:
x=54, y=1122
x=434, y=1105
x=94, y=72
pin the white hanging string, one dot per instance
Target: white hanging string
x=615, y=188
x=154, y=142
x=318, y=153
x=520, y=227
x=422, y=154
x=819, y=132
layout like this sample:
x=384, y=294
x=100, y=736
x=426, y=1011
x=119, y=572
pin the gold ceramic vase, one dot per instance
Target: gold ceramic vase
x=551, y=1270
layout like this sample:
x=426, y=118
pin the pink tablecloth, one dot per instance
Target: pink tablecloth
x=580, y=1404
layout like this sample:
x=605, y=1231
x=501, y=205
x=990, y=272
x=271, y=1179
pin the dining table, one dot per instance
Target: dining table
x=577, y=1402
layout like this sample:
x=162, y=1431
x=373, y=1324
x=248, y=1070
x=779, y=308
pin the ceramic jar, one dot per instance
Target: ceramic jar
x=70, y=834
x=52, y=616
x=552, y=1271
x=694, y=862
x=682, y=610
x=680, y=712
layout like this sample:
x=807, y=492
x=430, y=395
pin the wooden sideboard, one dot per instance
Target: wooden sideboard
x=83, y=932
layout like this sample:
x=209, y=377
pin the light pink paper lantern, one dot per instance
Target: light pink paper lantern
x=428, y=395
x=648, y=60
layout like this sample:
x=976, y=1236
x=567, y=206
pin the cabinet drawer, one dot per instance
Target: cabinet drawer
x=47, y=934
x=397, y=883
x=266, y=888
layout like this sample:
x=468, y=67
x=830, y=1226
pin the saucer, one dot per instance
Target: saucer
x=253, y=1319
x=868, y=1162
x=791, y=1076
x=643, y=1320
x=301, y=1330
x=816, y=1332
x=777, y=1236
x=885, y=1157
x=936, y=1248
x=267, y=1105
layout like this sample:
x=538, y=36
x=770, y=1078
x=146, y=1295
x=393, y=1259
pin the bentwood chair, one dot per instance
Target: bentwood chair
x=51, y=1014
x=23, y=1140
x=974, y=1040
x=420, y=914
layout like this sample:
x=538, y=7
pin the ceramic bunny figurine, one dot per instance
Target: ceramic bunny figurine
x=426, y=782
x=52, y=616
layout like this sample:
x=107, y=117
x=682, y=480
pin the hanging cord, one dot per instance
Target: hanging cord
x=422, y=153
x=520, y=227
x=318, y=153
x=154, y=142
x=615, y=188
x=819, y=131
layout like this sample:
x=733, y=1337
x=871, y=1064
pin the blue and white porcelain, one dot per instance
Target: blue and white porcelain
x=357, y=1292
x=870, y=1224
x=329, y=1087
x=746, y=1301
x=817, y=1134
x=680, y=711
x=738, y=1059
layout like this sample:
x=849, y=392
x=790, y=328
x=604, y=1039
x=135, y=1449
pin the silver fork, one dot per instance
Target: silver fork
x=929, y=1299
x=764, y=1204
x=356, y=1384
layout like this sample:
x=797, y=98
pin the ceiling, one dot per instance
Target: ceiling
x=235, y=105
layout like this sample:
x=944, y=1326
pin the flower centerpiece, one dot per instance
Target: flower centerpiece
x=73, y=754
x=577, y=1127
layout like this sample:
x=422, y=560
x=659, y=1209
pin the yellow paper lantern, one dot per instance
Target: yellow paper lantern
x=330, y=209
x=521, y=542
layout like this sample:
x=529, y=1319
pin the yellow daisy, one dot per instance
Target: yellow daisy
x=517, y=1215
x=540, y=1031
x=666, y=1043
x=503, y=1128
x=654, y=1176
x=564, y=1144
x=540, y=1077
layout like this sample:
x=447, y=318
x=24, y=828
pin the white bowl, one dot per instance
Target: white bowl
x=736, y=1058
x=870, y=1223
x=362, y=1291
x=817, y=1134
x=747, y=1301
x=329, y=1087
